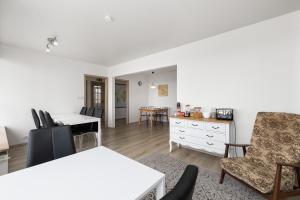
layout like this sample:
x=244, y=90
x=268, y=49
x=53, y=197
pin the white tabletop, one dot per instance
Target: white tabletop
x=74, y=118
x=98, y=173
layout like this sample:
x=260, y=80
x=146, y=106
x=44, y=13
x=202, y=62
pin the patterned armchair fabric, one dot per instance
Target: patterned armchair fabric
x=275, y=138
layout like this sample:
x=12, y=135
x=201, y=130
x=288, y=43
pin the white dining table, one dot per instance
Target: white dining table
x=75, y=119
x=98, y=173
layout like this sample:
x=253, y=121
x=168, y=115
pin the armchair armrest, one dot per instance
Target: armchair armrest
x=277, y=184
x=235, y=145
x=295, y=165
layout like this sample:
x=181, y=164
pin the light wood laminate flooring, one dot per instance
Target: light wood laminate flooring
x=133, y=141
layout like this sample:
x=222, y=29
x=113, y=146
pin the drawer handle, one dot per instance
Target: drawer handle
x=178, y=122
x=182, y=138
x=209, y=143
x=194, y=124
x=210, y=136
x=215, y=127
x=181, y=131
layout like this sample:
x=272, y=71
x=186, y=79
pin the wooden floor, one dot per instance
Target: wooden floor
x=133, y=141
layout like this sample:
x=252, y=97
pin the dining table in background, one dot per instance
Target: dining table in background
x=76, y=119
x=151, y=112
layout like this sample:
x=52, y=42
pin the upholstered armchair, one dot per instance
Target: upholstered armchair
x=271, y=163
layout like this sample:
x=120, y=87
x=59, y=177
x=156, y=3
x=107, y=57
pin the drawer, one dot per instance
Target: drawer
x=195, y=124
x=214, y=144
x=198, y=141
x=187, y=131
x=218, y=137
x=216, y=127
x=178, y=122
x=207, y=135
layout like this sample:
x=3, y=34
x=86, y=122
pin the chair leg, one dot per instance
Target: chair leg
x=276, y=190
x=80, y=141
x=95, y=138
x=222, y=176
x=75, y=141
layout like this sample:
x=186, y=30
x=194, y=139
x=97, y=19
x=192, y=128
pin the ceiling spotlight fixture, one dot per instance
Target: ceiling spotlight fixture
x=108, y=19
x=48, y=48
x=51, y=42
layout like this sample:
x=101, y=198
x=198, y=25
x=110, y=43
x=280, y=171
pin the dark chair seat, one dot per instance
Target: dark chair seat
x=40, y=147
x=90, y=111
x=49, y=120
x=43, y=119
x=184, y=188
x=46, y=144
x=83, y=110
x=36, y=119
x=62, y=140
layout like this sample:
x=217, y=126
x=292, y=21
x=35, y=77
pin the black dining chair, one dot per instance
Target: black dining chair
x=90, y=111
x=98, y=112
x=83, y=110
x=36, y=118
x=43, y=119
x=39, y=149
x=184, y=188
x=49, y=120
x=62, y=141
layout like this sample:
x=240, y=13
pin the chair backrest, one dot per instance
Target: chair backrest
x=50, y=122
x=184, y=188
x=98, y=112
x=43, y=119
x=83, y=110
x=63, y=142
x=275, y=138
x=90, y=111
x=39, y=149
x=36, y=118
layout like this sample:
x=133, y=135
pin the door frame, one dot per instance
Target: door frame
x=105, y=94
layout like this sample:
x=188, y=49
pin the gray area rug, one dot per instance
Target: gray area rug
x=207, y=184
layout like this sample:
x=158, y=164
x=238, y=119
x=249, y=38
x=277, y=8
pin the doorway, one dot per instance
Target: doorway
x=95, y=94
x=121, y=102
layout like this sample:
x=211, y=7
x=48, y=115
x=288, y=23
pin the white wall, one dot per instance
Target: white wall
x=30, y=79
x=249, y=69
x=138, y=95
x=169, y=78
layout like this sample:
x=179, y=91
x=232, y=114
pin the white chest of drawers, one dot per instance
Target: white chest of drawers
x=208, y=135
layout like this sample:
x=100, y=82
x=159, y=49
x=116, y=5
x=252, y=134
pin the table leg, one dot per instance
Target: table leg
x=99, y=133
x=160, y=189
x=140, y=117
x=151, y=119
x=171, y=146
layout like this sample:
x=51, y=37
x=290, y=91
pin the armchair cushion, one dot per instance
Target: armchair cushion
x=259, y=176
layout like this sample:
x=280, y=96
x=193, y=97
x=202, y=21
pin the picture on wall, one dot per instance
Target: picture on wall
x=163, y=90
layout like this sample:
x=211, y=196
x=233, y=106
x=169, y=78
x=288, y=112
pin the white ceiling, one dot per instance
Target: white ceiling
x=141, y=27
x=161, y=70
